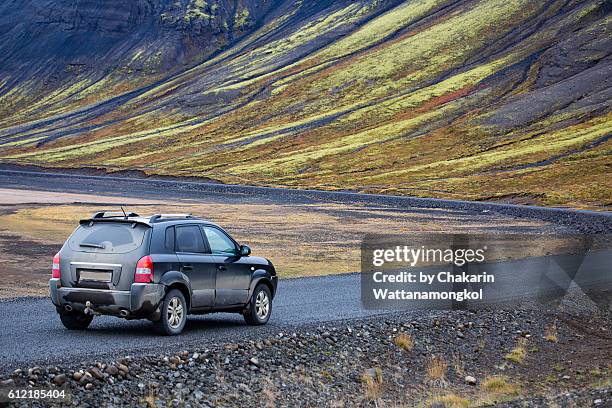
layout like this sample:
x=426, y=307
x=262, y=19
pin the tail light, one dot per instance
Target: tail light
x=144, y=270
x=55, y=269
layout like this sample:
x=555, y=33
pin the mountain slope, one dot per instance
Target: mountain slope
x=502, y=100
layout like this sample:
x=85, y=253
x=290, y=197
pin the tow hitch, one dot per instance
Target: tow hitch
x=88, y=309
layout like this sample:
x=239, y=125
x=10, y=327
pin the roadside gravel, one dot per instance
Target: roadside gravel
x=359, y=363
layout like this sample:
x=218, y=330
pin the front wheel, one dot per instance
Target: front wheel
x=173, y=313
x=75, y=320
x=259, y=309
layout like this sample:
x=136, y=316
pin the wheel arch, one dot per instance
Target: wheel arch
x=178, y=280
x=261, y=277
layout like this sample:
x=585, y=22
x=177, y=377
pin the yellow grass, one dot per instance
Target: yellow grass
x=404, y=341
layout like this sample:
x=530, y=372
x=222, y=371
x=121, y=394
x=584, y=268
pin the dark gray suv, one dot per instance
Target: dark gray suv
x=161, y=268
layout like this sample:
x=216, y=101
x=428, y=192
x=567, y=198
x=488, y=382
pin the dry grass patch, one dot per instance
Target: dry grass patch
x=436, y=370
x=604, y=381
x=269, y=393
x=372, y=384
x=558, y=367
x=149, y=401
x=458, y=366
x=404, y=341
x=550, y=333
x=517, y=354
x=500, y=386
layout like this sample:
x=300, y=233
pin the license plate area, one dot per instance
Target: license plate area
x=95, y=275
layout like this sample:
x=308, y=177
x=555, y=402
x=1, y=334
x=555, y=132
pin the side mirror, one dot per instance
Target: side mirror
x=245, y=250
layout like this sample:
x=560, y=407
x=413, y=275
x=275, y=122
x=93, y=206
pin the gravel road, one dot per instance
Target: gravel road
x=169, y=189
x=33, y=333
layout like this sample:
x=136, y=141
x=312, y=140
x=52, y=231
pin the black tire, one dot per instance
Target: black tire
x=75, y=320
x=165, y=325
x=253, y=313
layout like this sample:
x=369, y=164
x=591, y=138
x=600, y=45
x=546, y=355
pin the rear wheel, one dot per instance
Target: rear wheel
x=173, y=313
x=259, y=308
x=75, y=320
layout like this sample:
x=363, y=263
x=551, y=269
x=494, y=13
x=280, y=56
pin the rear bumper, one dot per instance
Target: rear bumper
x=141, y=300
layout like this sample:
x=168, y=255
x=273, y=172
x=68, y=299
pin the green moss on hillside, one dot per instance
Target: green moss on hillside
x=499, y=100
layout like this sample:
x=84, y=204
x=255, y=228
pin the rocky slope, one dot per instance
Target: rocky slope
x=476, y=99
x=67, y=54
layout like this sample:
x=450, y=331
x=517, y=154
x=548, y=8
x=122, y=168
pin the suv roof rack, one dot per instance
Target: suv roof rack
x=166, y=217
x=113, y=214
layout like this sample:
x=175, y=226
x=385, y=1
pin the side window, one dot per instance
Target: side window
x=169, y=242
x=189, y=239
x=219, y=242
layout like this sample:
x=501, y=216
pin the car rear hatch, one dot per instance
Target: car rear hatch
x=104, y=254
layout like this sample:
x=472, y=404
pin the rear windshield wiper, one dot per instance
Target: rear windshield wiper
x=90, y=245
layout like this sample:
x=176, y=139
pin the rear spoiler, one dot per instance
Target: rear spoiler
x=109, y=214
x=91, y=221
x=114, y=217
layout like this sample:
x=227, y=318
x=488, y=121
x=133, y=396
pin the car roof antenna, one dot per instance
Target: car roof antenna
x=124, y=214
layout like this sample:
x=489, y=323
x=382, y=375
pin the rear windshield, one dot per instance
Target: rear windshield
x=106, y=237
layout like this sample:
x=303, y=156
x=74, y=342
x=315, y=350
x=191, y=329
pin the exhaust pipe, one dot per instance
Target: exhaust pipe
x=68, y=308
x=124, y=313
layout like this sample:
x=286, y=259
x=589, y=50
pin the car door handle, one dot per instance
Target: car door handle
x=187, y=267
x=221, y=267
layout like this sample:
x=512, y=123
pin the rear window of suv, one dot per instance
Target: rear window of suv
x=107, y=237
